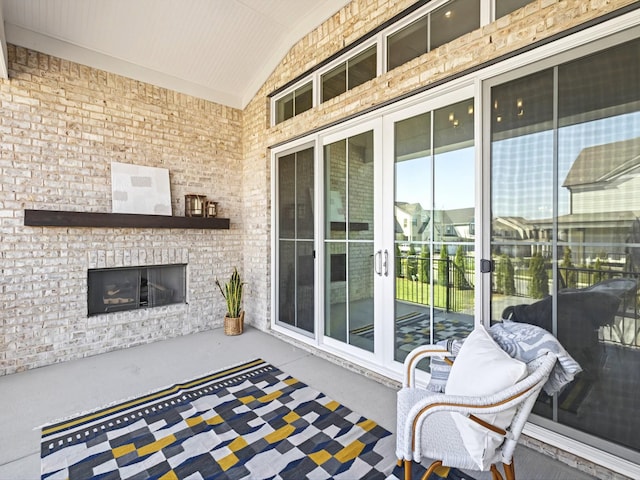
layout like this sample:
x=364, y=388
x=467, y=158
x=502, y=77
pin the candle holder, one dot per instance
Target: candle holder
x=194, y=205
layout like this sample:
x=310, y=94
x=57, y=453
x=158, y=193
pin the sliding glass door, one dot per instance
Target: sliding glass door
x=352, y=267
x=431, y=160
x=397, y=251
x=565, y=228
x=296, y=248
x=387, y=260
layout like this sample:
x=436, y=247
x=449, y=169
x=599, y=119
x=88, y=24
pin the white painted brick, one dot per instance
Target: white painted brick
x=62, y=124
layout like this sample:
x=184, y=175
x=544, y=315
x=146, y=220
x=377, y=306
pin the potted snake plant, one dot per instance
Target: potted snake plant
x=232, y=293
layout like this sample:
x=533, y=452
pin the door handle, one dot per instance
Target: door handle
x=385, y=263
x=378, y=261
x=486, y=266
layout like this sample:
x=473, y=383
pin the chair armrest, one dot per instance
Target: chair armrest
x=469, y=406
x=417, y=354
x=523, y=392
x=496, y=402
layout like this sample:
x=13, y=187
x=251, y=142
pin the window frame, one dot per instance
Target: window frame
x=486, y=15
x=303, y=82
x=344, y=60
x=380, y=40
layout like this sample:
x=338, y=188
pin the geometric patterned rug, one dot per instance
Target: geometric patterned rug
x=251, y=421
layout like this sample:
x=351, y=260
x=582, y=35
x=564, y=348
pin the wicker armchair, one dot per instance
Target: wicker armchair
x=427, y=420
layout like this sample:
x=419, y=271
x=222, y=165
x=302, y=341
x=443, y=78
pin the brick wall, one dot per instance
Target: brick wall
x=61, y=126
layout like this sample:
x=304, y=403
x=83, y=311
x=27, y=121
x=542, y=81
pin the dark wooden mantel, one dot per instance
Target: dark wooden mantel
x=60, y=218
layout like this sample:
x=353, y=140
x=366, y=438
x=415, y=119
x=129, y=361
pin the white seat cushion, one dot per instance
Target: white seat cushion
x=482, y=368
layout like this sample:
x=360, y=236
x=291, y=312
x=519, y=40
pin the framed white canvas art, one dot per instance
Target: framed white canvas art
x=139, y=189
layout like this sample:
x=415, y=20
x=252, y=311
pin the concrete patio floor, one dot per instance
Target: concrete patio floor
x=33, y=398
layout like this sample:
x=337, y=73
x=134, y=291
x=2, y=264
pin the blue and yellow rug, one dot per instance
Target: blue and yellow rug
x=251, y=421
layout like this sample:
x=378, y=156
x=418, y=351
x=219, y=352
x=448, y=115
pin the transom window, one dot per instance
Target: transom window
x=294, y=103
x=355, y=71
x=434, y=24
x=446, y=23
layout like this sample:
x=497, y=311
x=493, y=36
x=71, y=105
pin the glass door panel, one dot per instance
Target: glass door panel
x=349, y=242
x=361, y=307
x=521, y=188
x=597, y=272
x=434, y=210
x=565, y=234
x=296, y=256
x=413, y=175
x=453, y=214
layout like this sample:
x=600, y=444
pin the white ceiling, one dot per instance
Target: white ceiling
x=221, y=50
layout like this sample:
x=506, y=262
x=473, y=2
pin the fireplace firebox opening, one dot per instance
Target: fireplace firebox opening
x=131, y=288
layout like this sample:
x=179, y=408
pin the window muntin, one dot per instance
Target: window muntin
x=355, y=71
x=294, y=103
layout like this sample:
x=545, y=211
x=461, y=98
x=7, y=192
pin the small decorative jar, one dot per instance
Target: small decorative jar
x=194, y=205
x=211, y=209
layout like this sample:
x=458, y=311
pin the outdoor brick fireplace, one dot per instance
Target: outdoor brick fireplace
x=131, y=288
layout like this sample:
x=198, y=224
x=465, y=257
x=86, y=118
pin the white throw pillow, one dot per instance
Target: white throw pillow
x=482, y=368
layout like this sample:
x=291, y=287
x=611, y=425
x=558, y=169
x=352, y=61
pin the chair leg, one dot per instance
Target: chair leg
x=510, y=470
x=407, y=469
x=495, y=473
x=431, y=469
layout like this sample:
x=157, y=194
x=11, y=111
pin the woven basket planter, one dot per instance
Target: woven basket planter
x=234, y=326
